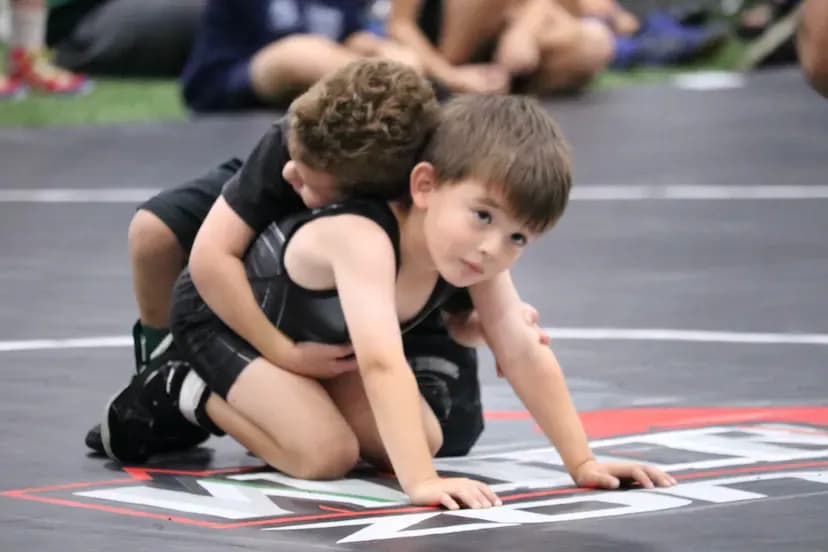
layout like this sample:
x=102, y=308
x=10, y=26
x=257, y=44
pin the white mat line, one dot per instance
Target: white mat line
x=558, y=334
x=699, y=336
x=76, y=343
x=78, y=195
x=579, y=193
x=697, y=192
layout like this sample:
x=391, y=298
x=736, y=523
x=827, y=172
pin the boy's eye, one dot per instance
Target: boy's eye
x=518, y=239
x=483, y=216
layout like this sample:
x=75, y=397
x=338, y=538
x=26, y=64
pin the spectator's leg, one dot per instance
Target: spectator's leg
x=467, y=26
x=573, y=51
x=28, y=60
x=290, y=65
x=133, y=38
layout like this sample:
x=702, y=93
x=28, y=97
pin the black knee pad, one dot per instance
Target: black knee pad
x=446, y=374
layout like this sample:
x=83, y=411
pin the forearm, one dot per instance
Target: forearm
x=222, y=282
x=408, y=34
x=364, y=43
x=395, y=401
x=539, y=383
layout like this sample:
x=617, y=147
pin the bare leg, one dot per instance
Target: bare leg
x=573, y=51
x=467, y=25
x=157, y=259
x=348, y=392
x=287, y=420
x=294, y=63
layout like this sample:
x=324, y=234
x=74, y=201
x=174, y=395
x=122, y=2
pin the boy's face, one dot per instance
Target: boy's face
x=470, y=233
x=316, y=188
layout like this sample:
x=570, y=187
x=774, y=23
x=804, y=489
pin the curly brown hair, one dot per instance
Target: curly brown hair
x=511, y=144
x=366, y=124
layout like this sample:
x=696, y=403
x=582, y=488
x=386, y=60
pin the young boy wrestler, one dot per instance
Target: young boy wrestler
x=353, y=132
x=493, y=177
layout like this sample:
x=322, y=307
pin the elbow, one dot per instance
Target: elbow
x=202, y=260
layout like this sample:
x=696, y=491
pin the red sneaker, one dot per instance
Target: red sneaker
x=35, y=69
x=11, y=89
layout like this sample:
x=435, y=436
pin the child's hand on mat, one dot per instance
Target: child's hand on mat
x=609, y=475
x=319, y=360
x=453, y=493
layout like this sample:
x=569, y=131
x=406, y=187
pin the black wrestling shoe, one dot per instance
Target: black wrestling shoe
x=163, y=439
x=143, y=418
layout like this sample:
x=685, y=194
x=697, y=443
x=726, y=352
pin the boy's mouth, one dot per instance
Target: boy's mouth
x=472, y=267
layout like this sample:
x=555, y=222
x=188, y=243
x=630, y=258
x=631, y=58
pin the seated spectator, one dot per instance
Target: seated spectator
x=812, y=43
x=28, y=66
x=254, y=53
x=131, y=38
x=494, y=45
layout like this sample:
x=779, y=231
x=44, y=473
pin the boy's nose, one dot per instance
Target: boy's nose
x=490, y=245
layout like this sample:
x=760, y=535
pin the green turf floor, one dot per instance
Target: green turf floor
x=130, y=101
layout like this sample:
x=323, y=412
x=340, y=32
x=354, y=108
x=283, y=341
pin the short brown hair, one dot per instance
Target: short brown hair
x=366, y=124
x=508, y=142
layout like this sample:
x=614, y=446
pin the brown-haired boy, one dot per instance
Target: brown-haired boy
x=368, y=271
x=350, y=134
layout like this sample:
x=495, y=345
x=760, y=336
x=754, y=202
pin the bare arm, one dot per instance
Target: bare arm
x=218, y=274
x=531, y=368
x=362, y=259
x=364, y=270
x=402, y=27
x=536, y=377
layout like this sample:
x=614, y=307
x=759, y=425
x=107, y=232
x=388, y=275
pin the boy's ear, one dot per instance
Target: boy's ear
x=422, y=183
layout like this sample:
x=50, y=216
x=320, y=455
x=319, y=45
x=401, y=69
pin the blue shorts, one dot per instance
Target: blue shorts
x=225, y=87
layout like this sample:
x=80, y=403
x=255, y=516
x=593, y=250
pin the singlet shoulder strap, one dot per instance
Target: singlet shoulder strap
x=375, y=210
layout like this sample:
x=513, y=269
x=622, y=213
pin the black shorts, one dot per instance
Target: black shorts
x=185, y=207
x=446, y=372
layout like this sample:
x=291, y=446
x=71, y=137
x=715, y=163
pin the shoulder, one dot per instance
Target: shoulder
x=355, y=228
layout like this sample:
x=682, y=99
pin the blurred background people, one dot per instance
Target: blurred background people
x=125, y=38
x=254, y=53
x=497, y=46
x=28, y=65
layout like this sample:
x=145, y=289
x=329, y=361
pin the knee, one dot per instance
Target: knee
x=598, y=45
x=328, y=459
x=571, y=64
x=151, y=240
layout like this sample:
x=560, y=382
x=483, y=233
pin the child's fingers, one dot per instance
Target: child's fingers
x=659, y=477
x=531, y=314
x=600, y=480
x=490, y=495
x=640, y=475
x=342, y=366
x=447, y=501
